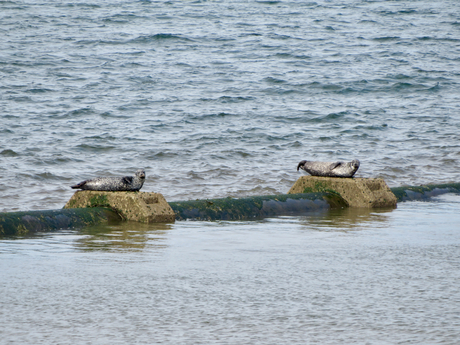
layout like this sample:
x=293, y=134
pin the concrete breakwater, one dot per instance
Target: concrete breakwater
x=256, y=207
x=96, y=208
x=23, y=223
x=307, y=194
x=425, y=192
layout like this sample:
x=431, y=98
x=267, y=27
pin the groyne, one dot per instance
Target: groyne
x=425, y=192
x=99, y=210
x=22, y=223
x=256, y=206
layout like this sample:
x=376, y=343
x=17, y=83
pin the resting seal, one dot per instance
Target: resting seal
x=111, y=184
x=330, y=169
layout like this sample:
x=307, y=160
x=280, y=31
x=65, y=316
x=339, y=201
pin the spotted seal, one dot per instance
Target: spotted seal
x=330, y=169
x=111, y=184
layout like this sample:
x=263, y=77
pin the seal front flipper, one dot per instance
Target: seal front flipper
x=335, y=165
x=127, y=180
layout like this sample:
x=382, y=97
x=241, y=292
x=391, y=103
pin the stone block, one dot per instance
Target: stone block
x=137, y=206
x=357, y=192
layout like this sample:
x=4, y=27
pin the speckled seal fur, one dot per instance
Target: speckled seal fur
x=113, y=184
x=330, y=169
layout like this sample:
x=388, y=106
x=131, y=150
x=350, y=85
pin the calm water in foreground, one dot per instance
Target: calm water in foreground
x=342, y=277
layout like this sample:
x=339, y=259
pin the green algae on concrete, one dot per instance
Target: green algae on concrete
x=255, y=207
x=424, y=192
x=137, y=206
x=357, y=192
x=23, y=223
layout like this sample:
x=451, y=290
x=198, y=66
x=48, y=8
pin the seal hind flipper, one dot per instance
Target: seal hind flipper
x=80, y=185
x=302, y=163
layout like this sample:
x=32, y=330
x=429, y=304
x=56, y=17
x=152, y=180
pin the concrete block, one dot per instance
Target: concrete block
x=357, y=192
x=137, y=206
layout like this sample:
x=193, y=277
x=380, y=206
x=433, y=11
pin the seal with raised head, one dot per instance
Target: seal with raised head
x=114, y=184
x=330, y=169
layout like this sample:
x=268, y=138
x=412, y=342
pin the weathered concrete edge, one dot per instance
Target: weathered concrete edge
x=145, y=207
x=22, y=223
x=424, y=192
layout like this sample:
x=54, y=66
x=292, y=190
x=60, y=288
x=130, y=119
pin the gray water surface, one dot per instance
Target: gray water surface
x=340, y=277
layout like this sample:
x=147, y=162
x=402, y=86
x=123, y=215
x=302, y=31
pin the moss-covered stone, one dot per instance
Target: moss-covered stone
x=255, y=207
x=424, y=192
x=22, y=223
x=136, y=206
x=357, y=192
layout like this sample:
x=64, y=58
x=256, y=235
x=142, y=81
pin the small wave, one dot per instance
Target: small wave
x=79, y=112
x=95, y=148
x=76, y=4
x=229, y=99
x=38, y=90
x=268, y=2
x=47, y=176
x=330, y=117
x=8, y=153
x=406, y=86
x=148, y=79
x=101, y=137
x=394, y=13
x=109, y=114
x=272, y=80
x=144, y=39
x=20, y=99
x=238, y=153
x=206, y=117
x=386, y=38
x=167, y=154
x=6, y=130
x=258, y=190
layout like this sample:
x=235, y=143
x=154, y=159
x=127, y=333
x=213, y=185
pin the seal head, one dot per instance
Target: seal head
x=113, y=184
x=330, y=169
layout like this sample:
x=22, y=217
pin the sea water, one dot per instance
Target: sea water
x=217, y=99
x=340, y=277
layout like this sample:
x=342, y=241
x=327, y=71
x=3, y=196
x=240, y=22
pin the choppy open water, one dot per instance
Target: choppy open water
x=219, y=98
x=224, y=98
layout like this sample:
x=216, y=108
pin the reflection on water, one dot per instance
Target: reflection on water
x=134, y=236
x=348, y=219
x=123, y=236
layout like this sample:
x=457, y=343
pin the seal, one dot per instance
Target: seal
x=330, y=169
x=113, y=184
